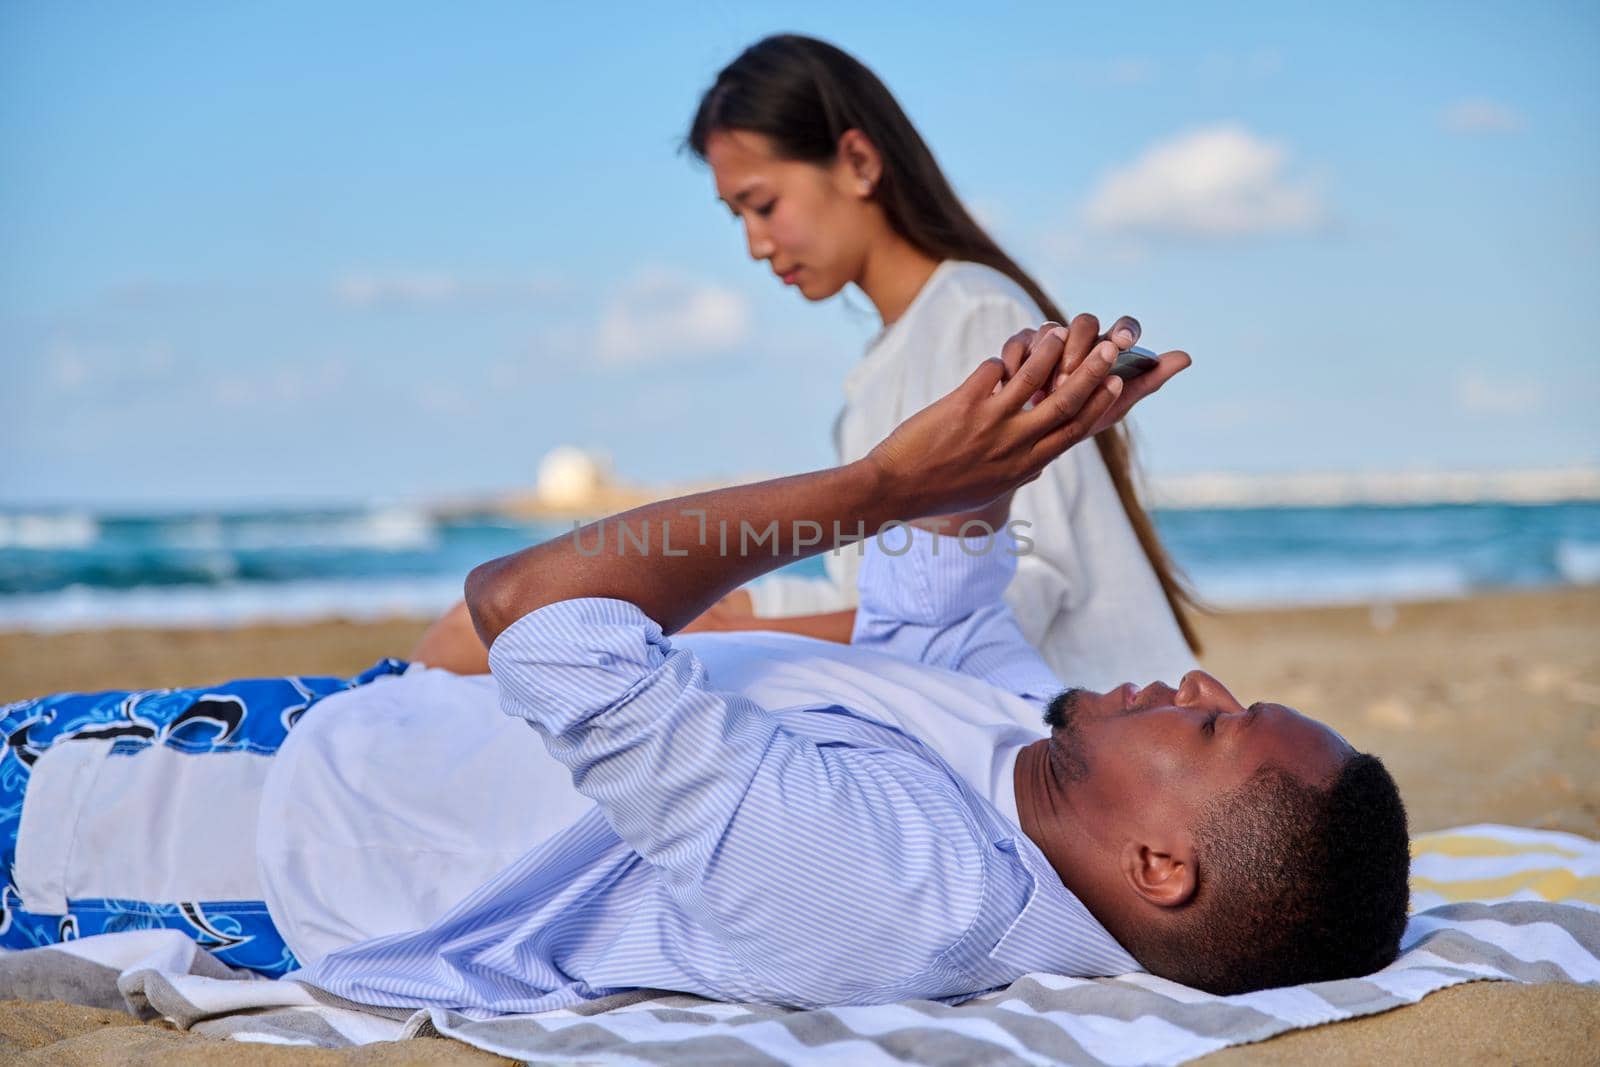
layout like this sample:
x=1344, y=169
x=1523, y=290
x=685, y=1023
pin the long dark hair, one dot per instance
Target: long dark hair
x=803, y=94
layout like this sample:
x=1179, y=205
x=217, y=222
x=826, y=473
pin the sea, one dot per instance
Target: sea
x=62, y=570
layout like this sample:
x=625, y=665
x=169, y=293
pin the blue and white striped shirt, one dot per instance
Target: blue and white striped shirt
x=803, y=855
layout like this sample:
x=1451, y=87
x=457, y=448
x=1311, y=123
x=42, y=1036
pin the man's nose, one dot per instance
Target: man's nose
x=1198, y=687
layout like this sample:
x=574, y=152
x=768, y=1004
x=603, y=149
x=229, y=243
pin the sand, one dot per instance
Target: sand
x=1486, y=710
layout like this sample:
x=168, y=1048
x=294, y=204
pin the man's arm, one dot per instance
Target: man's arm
x=675, y=558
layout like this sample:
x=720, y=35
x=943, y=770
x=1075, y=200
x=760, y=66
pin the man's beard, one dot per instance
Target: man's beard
x=1067, y=758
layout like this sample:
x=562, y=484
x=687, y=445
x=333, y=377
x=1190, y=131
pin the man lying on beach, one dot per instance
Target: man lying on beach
x=749, y=817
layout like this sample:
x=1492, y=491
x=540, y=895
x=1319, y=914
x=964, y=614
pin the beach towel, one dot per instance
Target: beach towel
x=1489, y=903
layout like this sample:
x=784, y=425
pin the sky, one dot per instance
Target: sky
x=320, y=253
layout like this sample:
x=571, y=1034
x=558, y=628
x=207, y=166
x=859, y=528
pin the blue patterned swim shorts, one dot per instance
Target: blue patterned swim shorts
x=250, y=715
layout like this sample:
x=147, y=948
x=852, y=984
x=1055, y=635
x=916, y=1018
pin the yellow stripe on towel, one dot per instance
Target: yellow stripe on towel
x=1551, y=884
x=1448, y=844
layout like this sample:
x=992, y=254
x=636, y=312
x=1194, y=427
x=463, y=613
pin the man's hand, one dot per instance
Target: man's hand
x=1124, y=333
x=983, y=440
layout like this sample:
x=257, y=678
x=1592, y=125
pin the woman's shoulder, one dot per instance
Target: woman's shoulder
x=962, y=286
x=961, y=300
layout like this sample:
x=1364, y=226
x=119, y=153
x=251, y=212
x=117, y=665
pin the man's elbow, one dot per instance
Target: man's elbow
x=490, y=600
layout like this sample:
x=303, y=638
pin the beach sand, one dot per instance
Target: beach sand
x=1486, y=710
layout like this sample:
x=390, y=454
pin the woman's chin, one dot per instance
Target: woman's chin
x=815, y=291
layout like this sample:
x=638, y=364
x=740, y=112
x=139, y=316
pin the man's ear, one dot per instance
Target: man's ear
x=1165, y=877
x=859, y=163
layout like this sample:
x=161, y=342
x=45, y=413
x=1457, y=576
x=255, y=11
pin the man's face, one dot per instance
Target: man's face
x=1135, y=756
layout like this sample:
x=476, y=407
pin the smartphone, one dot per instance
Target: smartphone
x=1134, y=362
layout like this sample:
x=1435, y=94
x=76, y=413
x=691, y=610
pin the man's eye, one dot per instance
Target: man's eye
x=766, y=209
x=1210, y=726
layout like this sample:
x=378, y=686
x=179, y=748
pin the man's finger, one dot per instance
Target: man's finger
x=986, y=378
x=1037, y=369
x=1011, y=356
x=1087, y=421
x=1084, y=424
x=1081, y=336
x=1064, y=402
x=1015, y=350
x=1168, y=365
x=1125, y=332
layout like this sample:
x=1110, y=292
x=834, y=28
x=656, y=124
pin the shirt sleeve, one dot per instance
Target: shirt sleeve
x=939, y=601
x=828, y=870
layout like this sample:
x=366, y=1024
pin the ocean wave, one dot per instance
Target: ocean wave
x=1292, y=583
x=384, y=530
x=48, y=532
x=1578, y=561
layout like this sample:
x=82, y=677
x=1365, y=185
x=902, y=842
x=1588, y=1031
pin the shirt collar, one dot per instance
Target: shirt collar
x=1056, y=932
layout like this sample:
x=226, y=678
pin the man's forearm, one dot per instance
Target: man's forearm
x=675, y=558
x=961, y=454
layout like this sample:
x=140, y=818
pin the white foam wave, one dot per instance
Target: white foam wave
x=386, y=530
x=1578, y=562
x=1315, y=582
x=231, y=604
x=46, y=532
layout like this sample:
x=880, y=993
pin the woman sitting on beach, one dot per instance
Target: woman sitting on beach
x=834, y=186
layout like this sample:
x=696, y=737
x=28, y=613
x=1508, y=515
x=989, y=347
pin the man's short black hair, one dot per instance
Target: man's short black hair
x=1296, y=883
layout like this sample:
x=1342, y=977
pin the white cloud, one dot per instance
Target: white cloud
x=68, y=369
x=660, y=315
x=433, y=289
x=1075, y=248
x=231, y=392
x=366, y=290
x=74, y=365
x=446, y=400
x=1127, y=71
x=290, y=384
x=1479, y=116
x=1478, y=394
x=1259, y=65
x=1218, y=181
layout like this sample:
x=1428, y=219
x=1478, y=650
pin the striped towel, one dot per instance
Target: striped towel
x=1488, y=864
x=1489, y=902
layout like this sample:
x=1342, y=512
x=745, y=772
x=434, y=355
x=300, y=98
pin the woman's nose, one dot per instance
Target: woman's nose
x=759, y=243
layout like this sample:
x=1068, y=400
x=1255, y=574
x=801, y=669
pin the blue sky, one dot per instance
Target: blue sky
x=308, y=252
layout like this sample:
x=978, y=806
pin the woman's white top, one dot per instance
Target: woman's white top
x=1086, y=596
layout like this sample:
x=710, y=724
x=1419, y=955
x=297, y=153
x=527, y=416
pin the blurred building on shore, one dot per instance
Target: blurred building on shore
x=577, y=483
